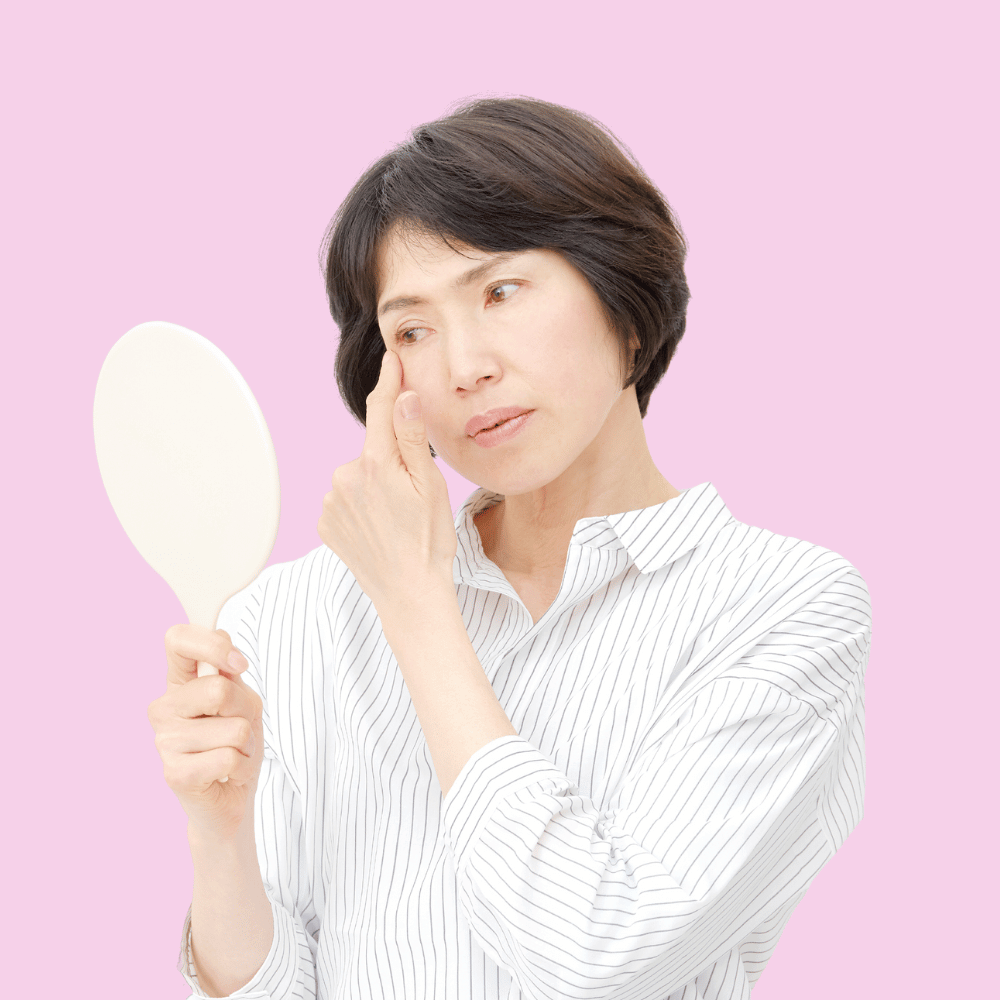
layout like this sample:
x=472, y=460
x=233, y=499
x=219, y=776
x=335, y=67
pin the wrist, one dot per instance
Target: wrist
x=418, y=600
x=207, y=841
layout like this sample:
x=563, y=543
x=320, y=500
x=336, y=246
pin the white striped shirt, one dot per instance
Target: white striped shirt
x=690, y=712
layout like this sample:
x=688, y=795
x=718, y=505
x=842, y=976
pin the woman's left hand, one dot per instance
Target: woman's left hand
x=388, y=516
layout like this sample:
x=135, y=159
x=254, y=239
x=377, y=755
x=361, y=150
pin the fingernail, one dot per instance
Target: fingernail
x=236, y=661
x=411, y=406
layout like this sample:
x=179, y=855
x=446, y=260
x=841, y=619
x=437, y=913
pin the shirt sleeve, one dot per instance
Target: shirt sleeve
x=289, y=971
x=719, y=821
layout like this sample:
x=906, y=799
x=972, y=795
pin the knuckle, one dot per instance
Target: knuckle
x=158, y=712
x=215, y=693
x=219, y=647
x=173, y=773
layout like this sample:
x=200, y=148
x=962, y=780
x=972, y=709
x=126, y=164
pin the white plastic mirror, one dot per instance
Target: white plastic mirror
x=188, y=464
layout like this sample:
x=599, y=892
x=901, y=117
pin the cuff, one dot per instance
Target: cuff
x=273, y=971
x=493, y=773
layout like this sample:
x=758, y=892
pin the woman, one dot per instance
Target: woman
x=591, y=738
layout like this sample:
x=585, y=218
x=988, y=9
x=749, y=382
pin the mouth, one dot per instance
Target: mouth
x=500, y=416
x=502, y=431
x=499, y=423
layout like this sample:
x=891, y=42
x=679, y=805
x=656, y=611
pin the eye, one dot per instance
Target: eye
x=400, y=337
x=403, y=333
x=497, y=288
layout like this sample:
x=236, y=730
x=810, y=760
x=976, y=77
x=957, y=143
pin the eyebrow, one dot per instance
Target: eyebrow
x=462, y=281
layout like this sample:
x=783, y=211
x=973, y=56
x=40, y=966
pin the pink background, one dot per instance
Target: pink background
x=833, y=167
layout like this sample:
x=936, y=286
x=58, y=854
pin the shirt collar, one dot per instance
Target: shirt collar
x=653, y=536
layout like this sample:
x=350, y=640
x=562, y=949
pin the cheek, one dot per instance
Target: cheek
x=414, y=380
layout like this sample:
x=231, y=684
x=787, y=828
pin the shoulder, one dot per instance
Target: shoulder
x=763, y=568
x=787, y=614
x=288, y=597
x=304, y=582
x=304, y=579
x=286, y=622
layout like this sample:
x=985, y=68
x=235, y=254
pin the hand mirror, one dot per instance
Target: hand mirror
x=188, y=464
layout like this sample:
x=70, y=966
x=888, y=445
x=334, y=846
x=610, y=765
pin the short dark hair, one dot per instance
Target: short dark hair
x=501, y=174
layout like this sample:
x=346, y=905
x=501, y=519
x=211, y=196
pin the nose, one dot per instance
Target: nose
x=471, y=361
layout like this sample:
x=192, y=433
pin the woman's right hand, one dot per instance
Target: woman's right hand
x=209, y=728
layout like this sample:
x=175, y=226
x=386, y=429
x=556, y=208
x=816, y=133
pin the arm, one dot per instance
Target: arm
x=637, y=895
x=458, y=709
x=246, y=929
x=716, y=824
x=231, y=923
x=286, y=970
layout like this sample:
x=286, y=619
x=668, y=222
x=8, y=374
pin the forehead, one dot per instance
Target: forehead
x=403, y=248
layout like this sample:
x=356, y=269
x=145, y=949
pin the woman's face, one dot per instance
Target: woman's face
x=485, y=330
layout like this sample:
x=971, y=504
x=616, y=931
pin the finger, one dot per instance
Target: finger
x=380, y=437
x=186, y=645
x=216, y=694
x=199, y=770
x=199, y=735
x=410, y=433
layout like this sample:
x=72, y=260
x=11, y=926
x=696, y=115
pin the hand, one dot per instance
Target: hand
x=388, y=516
x=209, y=728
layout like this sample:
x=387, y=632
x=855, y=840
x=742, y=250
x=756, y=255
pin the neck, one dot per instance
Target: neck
x=528, y=534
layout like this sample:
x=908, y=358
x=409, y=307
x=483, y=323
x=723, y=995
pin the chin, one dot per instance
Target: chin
x=513, y=478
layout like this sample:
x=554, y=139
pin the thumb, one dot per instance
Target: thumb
x=411, y=434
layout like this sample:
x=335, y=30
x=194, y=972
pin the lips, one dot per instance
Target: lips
x=484, y=421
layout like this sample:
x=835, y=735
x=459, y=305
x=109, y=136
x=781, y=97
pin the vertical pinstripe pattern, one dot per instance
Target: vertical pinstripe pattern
x=690, y=713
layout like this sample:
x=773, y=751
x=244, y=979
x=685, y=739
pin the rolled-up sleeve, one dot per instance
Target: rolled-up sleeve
x=716, y=824
x=289, y=971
